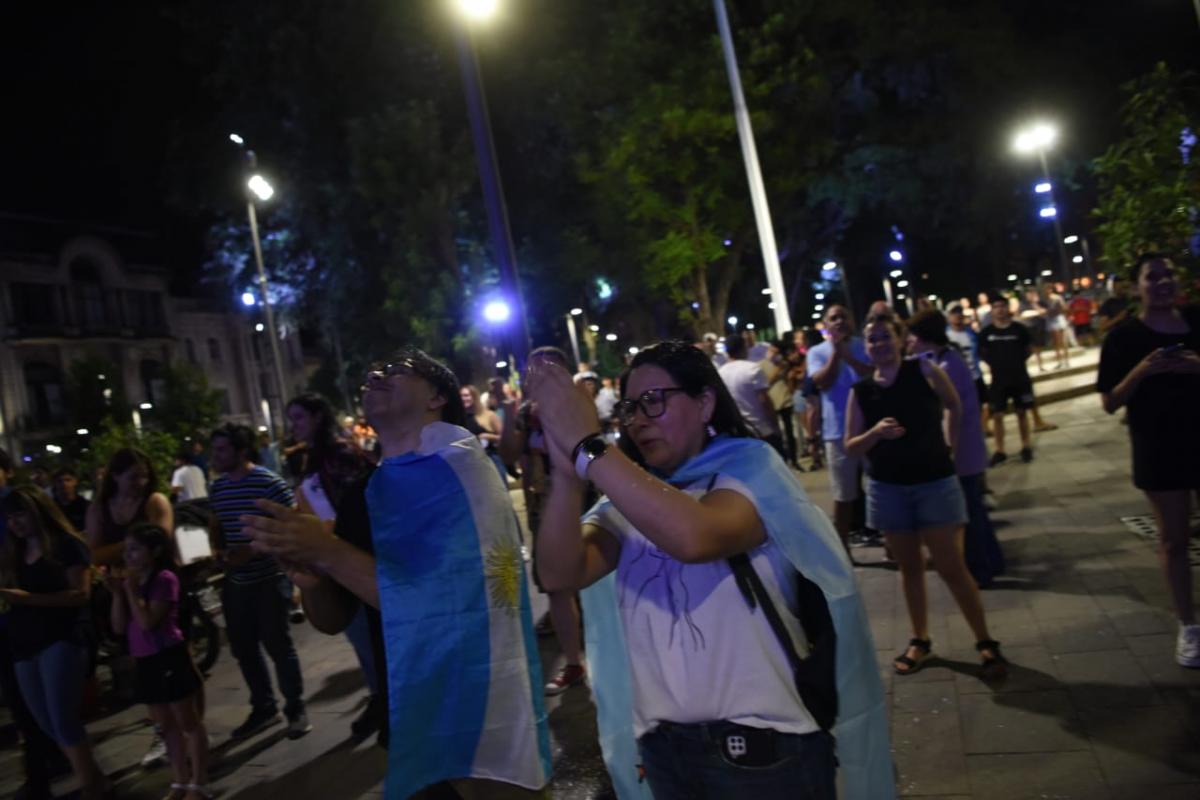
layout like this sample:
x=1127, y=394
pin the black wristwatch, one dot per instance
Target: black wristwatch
x=588, y=450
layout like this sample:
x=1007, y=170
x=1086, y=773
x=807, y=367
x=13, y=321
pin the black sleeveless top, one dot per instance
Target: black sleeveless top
x=921, y=455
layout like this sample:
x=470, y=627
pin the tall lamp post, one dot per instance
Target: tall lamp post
x=1036, y=139
x=489, y=174
x=258, y=187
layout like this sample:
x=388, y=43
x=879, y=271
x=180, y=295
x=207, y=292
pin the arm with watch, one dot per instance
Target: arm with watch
x=689, y=529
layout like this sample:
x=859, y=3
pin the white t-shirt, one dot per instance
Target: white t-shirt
x=745, y=380
x=190, y=480
x=697, y=652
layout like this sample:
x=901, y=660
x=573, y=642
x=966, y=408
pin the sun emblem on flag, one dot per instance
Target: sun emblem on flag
x=502, y=567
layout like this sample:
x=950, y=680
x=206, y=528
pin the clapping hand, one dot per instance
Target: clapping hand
x=567, y=412
x=291, y=536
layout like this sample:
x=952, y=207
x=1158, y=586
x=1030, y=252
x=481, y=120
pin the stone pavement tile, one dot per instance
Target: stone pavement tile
x=1142, y=623
x=1063, y=776
x=1146, y=746
x=929, y=755
x=934, y=699
x=1080, y=635
x=1107, y=679
x=1175, y=791
x=1031, y=668
x=1015, y=627
x=1020, y=722
x=1063, y=600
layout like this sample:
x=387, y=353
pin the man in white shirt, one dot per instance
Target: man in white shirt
x=187, y=482
x=748, y=384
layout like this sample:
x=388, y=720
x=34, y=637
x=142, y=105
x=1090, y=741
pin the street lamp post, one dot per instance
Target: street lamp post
x=489, y=175
x=1037, y=139
x=573, y=333
x=258, y=186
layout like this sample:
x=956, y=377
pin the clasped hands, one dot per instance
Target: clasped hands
x=566, y=410
x=300, y=542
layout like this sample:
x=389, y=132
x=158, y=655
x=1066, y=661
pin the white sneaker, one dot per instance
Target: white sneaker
x=157, y=754
x=1187, y=646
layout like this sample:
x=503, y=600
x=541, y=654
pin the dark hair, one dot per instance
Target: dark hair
x=930, y=326
x=735, y=346
x=52, y=529
x=996, y=296
x=121, y=461
x=693, y=370
x=240, y=436
x=6, y=462
x=812, y=338
x=955, y=309
x=324, y=438
x=1142, y=259
x=551, y=353
x=440, y=377
x=64, y=471
x=156, y=540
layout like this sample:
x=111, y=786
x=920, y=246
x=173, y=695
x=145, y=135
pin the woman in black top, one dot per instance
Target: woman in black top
x=905, y=419
x=44, y=575
x=1151, y=363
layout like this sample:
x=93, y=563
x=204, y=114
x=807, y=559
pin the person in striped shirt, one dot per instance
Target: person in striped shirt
x=257, y=594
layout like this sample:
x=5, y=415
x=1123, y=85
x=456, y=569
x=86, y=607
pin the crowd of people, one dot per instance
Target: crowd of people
x=711, y=606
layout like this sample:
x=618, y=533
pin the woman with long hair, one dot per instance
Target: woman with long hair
x=1151, y=363
x=905, y=418
x=45, y=577
x=330, y=466
x=146, y=608
x=687, y=657
x=127, y=496
x=486, y=425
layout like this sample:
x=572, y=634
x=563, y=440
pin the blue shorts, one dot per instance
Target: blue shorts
x=899, y=507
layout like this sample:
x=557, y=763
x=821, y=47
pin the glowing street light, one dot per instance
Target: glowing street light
x=145, y=406
x=1072, y=239
x=81, y=431
x=478, y=10
x=1036, y=137
x=610, y=337
x=1046, y=273
x=896, y=273
x=896, y=255
x=575, y=312
x=239, y=141
x=1048, y=212
x=766, y=291
x=749, y=326
x=901, y=284
x=501, y=364
x=1042, y=187
x=259, y=327
x=819, y=307
x=633, y=351
x=733, y=321
x=496, y=311
x=1012, y=277
x=1077, y=260
x=819, y=296
x=262, y=189
x=248, y=298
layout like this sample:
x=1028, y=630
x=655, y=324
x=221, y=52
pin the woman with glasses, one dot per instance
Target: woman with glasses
x=704, y=680
x=905, y=418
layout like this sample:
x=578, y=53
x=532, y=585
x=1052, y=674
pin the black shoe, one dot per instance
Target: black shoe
x=259, y=719
x=1026, y=454
x=298, y=725
x=369, y=721
x=998, y=458
x=297, y=616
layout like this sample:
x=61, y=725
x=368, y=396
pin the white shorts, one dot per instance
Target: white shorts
x=844, y=472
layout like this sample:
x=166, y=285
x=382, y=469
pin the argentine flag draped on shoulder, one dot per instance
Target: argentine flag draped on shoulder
x=463, y=676
x=807, y=538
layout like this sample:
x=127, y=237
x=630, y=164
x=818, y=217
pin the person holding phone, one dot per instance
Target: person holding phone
x=1151, y=364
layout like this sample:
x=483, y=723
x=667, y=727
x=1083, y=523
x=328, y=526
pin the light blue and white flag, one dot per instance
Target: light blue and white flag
x=806, y=537
x=464, y=679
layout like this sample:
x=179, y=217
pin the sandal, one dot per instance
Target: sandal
x=910, y=665
x=177, y=792
x=995, y=666
x=200, y=790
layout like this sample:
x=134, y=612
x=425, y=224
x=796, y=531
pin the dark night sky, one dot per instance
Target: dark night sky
x=92, y=94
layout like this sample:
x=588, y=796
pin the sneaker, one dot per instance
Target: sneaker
x=1026, y=454
x=370, y=720
x=998, y=458
x=157, y=754
x=1187, y=646
x=259, y=719
x=298, y=726
x=567, y=677
x=297, y=616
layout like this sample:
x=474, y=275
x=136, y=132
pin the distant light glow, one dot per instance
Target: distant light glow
x=1048, y=212
x=261, y=188
x=610, y=337
x=478, y=9
x=248, y=298
x=102, y=376
x=896, y=255
x=1046, y=273
x=901, y=296
x=1042, y=187
x=604, y=289
x=733, y=321
x=1072, y=239
x=259, y=327
x=896, y=273
x=53, y=448
x=819, y=307
x=633, y=351
x=728, y=242
x=819, y=296
x=1077, y=259
x=145, y=406
x=496, y=311
x=575, y=312
x=771, y=306
x=501, y=364
x=262, y=428
x=829, y=266
x=594, y=328
x=817, y=315
x=82, y=431
x=1012, y=277
x=1038, y=136
x=766, y=291
x=695, y=306
x=233, y=137
x=901, y=284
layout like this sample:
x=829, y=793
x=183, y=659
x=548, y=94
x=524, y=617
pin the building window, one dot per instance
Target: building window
x=226, y=407
x=214, y=350
x=190, y=347
x=145, y=310
x=154, y=385
x=89, y=294
x=43, y=384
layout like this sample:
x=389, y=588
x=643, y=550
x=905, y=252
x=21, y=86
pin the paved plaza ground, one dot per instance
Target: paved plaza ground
x=1095, y=706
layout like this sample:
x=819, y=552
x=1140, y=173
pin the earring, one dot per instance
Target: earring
x=711, y=431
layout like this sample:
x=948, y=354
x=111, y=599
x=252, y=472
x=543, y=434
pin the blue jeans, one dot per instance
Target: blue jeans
x=690, y=762
x=981, y=550
x=52, y=686
x=359, y=635
x=256, y=619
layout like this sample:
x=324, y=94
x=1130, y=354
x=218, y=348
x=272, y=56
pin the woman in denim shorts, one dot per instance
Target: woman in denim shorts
x=905, y=418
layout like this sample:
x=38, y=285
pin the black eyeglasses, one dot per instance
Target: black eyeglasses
x=652, y=402
x=378, y=372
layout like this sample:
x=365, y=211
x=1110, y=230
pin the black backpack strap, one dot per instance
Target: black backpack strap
x=756, y=595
